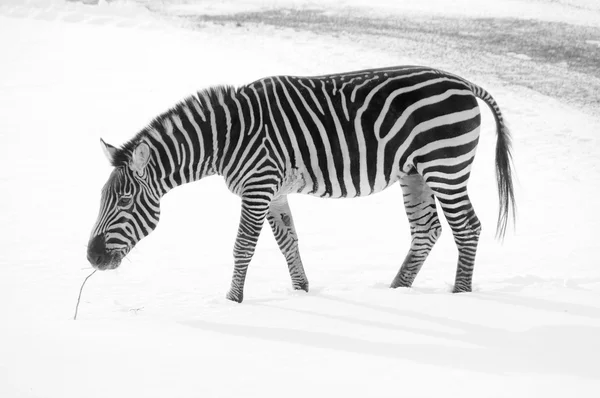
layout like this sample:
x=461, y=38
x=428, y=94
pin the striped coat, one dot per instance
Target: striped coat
x=335, y=136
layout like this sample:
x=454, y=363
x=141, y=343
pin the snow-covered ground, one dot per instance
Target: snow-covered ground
x=580, y=12
x=159, y=326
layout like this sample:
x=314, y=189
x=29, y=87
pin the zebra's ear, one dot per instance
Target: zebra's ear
x=109, y=151
x=140, y=157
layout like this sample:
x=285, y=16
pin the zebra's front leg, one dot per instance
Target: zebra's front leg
x=282, y=224
x=254, y=211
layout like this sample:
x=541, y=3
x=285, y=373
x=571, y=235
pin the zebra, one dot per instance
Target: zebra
x=334, y=136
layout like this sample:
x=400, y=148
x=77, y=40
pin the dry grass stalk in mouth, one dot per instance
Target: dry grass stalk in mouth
x=80, y=290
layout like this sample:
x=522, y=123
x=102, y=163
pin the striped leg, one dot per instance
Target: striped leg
x=282, y=223
x=466, y=228
x=254, y=210
x=425, y=227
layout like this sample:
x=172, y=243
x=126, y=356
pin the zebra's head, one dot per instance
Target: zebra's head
x=129, y=206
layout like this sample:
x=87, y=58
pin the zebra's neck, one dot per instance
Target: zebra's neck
x=188, y=141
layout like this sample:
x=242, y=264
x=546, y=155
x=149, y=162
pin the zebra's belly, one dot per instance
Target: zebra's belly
x=300, y=181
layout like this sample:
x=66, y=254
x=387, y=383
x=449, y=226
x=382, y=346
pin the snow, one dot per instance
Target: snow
x=580, y=12
x=524, y=57
x=160, y=326
x=593, y=42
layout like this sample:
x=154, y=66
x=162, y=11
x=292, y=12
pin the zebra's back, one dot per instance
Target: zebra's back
x=354, y=134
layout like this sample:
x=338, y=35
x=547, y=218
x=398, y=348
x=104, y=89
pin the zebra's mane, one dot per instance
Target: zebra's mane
x=207, y=99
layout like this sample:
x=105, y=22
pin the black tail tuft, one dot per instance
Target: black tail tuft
x=504, y=178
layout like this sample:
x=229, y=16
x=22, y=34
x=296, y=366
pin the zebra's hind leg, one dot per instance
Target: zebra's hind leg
x=282, y=224
x=425, y=227
x=466, y=228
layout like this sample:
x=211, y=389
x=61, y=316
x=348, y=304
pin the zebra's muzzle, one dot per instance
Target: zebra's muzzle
x=101, y=258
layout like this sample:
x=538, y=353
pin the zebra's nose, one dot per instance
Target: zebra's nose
x=96, y=254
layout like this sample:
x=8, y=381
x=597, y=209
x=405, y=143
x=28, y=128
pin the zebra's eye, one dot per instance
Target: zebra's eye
x=124, y=201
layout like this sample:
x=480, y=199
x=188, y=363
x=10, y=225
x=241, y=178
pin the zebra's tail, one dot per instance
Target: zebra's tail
x=503, y=164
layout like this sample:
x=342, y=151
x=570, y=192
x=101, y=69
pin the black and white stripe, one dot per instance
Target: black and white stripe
x=339, y=136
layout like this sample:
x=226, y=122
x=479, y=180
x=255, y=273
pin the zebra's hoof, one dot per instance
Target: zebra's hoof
x=393, y=286
x=301, y=286
x=462, y=289
x=235, y=296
